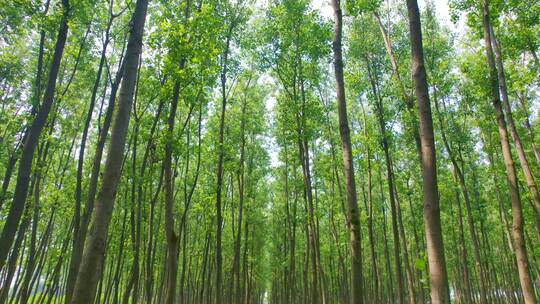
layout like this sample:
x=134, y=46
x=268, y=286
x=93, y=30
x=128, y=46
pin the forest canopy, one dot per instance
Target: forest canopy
x=269, y=151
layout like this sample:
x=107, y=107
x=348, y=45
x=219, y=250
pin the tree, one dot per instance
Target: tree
x=434, y=238
x=31, y=141
x=517, y=217
x=87, y=279
x=350, y=184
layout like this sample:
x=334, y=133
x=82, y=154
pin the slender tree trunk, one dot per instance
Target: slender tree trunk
x=38, y=174
x=149, y=250
x=529, y=178
x=35, y=105
x=77, y=247
x=241, y=190
x=77, y=251
x=342, y=277
x=390, y=180
x=459, y=172
x=353, y=213
x=133, y=280
x=25, y=165
x=432, y=220
x=517, y=224
x=377, y=297
x=407, y=261
x=291, y=268
x=389, y=294
x=12, y=261
x=9, y=172
x=171, y=267
x=87, y=278
x=303, y=150
x=419, y=272
x=219, y=179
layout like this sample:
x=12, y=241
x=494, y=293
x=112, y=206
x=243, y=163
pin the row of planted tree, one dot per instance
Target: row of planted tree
x=221, y=151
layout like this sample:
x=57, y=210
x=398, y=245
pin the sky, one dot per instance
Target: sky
x=441, y=6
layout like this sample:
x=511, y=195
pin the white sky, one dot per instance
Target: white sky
x=441, y=7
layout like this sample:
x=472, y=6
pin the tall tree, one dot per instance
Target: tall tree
x=92, y=261
x=432, y=220
x=511, y=177
x=31, y=141
x=353, y=212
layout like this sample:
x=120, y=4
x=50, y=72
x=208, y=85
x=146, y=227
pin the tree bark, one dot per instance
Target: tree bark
x=77, y=248
x=353, y=213
x=171, y=267
x=77, y=251
x=511, y=178
x=435, y=247
x=219, y=173
x=529, y=178
x=88, y=276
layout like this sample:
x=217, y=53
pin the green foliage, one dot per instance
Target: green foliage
x=280, y=143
